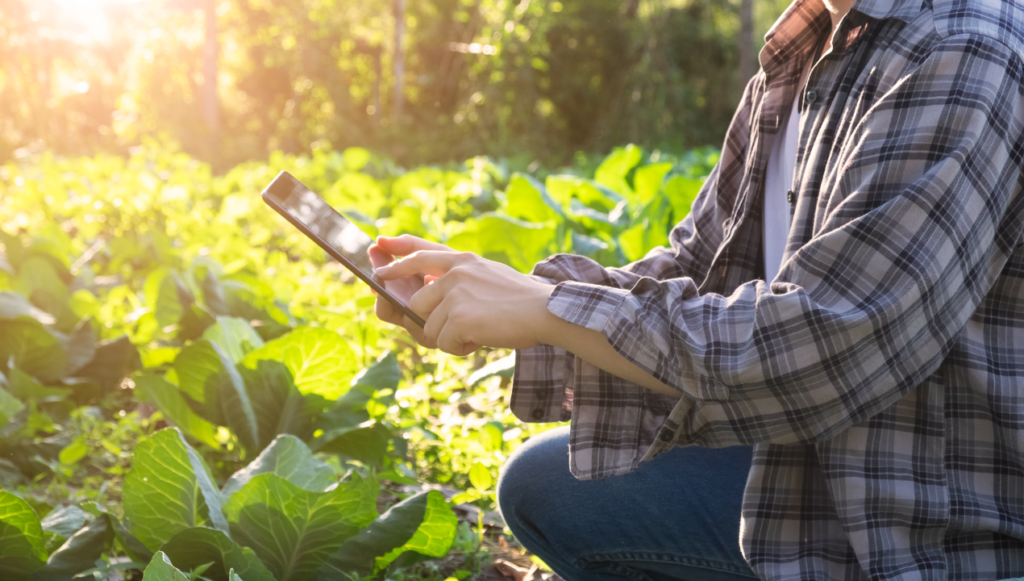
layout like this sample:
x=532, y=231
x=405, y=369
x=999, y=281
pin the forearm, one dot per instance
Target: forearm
x=592, y=347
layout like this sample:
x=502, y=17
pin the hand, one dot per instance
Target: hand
x=383, y=253
x=471, y=302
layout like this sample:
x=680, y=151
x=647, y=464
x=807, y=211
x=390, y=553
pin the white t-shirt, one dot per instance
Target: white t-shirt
x=778, y=181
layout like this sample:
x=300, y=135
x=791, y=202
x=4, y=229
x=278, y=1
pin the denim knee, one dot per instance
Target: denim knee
x=530, y=476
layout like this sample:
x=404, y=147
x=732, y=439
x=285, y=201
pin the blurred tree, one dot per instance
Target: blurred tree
x=231, y=80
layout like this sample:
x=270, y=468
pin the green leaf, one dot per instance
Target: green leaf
x=14, y=305
x=527, y=199
x=385, y=373
x=480, y=476
x=9, y=406
x=192, y=548
x=681, y=193
x=277, y=403
x=74, y=451
x=320, y=361
x=613, y=170
x=81, y=550
x=35, y=350
x=503, y=367
x=114, y=360
x=208, y=376
x=423, y=523
x=24, y=387
x=22, y=548
x=504, y=239
x=198, y=367
x=169, y=400
x=80, y=346
x=290, y=459
x=161, y=569
x=648, y=180
x=293, y=530
x=164, y=297
x=366, y=444
x=169, y=489
x=64, y=521
x=39, y=278
x=235, y=336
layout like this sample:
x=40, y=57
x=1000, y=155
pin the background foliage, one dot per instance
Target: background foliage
x=527, y=79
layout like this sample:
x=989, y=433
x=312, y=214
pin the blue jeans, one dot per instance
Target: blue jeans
x=675, y=517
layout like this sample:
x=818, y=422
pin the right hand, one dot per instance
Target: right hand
x=384, y=252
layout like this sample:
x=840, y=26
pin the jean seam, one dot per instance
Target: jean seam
x=714, y=565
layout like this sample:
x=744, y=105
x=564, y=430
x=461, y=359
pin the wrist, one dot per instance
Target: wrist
x=542, y=322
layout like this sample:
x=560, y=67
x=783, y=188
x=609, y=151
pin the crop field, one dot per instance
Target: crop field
x=190, y=389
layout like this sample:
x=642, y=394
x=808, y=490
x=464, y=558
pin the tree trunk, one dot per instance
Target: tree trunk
x=399, y=60
x=210, y=104
x=748, y=61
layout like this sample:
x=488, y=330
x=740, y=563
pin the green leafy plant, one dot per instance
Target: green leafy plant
x=284, y=517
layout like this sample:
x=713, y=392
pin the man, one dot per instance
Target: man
x=878, y=376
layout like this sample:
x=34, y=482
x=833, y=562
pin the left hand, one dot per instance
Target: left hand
x=474, y=302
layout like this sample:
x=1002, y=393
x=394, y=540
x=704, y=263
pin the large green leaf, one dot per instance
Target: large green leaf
x=320, y=361
x=81, y=550
x=22, y=549
x=209, y=376
x=161, y=569
x=114, y=360
x=648, y=180
x=290, y=459
x=39, y=278
x=14, y=305
x=681, y=193
x=385, y=373
x=191, y=548
x=292, y=530
x=169, y=489
x=423, y=523
x=235, y=336
x=613, y=170
x=516, y=243
x=64, y=521
x=169, y=400
x=277, y=403
x=364, y=443
x=527, y=199
x=199, y=367
x=35, y=350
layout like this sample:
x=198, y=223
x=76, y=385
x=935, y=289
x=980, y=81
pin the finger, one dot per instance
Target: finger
x=406, y=244
x=422, y=262
x=429, y=278
x=450, y=338
x=436, y=321
x=386, y=312
x=424, y=301
x=379, y=257
x=417, y=333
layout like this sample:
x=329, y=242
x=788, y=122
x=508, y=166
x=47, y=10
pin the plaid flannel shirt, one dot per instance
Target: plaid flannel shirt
x=880, y=376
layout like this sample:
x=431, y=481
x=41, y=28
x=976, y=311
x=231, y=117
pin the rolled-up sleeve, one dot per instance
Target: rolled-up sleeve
x=916, y=228
x=545, y=376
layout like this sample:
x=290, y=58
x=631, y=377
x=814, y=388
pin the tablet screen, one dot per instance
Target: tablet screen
x=324, y=222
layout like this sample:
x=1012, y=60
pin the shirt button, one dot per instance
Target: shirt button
x=537, y=414
x=790, y=196
x=666, y=436
x=812, y=96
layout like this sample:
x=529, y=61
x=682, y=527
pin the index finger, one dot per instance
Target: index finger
x=424, y=262
x=406, y=244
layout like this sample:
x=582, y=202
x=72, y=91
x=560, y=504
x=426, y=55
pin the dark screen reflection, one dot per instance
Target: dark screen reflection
x=323, y=221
